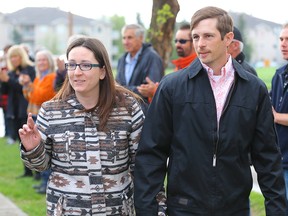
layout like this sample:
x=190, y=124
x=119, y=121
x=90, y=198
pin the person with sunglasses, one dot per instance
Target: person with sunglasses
x=184, y=47
x=185, y=51
x=88, y=134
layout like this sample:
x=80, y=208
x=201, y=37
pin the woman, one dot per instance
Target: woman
x=37, y=92
x=42, y=88
x=18, y=63
x=88, y=134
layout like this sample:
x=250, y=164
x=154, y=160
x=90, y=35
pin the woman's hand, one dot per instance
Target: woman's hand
x=29, y=134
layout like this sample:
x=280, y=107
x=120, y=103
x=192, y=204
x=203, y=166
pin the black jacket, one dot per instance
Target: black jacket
x=208, y=170
x=149, y=64
x=279, y=98
x=17, y=103
x=241, y=60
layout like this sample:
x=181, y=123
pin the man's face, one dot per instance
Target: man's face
x=183, y=43
x=209, y=46
x=131, y=42
x=284, y=43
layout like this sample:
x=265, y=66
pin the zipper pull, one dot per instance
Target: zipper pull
x=214, y=160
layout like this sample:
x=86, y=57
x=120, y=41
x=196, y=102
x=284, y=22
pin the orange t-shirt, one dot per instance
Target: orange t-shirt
x=183, y=61
x=39, y=91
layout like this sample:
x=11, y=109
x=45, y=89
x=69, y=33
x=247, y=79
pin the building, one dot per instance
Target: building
x=263, y=38
x=40, y=27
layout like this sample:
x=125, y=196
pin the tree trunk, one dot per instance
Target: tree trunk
x=162, y=25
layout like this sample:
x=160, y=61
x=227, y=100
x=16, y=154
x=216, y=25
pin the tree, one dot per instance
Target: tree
x=248, y=47
x=162, y=26
x=17, y=37
x=117, y=23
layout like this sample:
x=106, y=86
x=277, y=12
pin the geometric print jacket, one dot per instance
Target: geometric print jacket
x=92, y=171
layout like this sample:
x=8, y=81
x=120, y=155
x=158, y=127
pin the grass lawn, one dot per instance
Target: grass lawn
x=20, y=191
x=266, y=75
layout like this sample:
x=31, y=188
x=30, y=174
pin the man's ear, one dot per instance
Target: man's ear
x=229, y=38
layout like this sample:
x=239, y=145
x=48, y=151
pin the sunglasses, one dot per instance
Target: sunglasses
x=181, y=41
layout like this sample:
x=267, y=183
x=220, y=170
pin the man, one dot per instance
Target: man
x=139, y=61
x=206, y=118
x=235, y=49
x=186, y=53
x=279, y=98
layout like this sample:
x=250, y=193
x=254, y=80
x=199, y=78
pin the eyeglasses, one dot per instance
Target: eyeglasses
x=181, y=41
x=82, y=66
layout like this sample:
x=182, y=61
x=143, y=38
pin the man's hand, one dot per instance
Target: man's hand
x=148, y=90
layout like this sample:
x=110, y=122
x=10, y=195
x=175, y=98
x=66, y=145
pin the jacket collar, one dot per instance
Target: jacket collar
x=196, y=67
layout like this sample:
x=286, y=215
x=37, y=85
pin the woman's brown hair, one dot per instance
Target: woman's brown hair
x=111, y=93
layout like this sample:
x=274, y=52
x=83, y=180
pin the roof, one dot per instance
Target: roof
x=43, y=16
x=251, y=21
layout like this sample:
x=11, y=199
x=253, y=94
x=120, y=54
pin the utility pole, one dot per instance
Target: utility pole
x=70, y=24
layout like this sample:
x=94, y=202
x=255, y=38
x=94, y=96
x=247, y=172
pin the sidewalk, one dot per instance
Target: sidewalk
x=8, y=208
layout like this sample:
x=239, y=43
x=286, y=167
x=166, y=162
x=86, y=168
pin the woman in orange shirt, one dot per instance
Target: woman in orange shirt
x=42, y=88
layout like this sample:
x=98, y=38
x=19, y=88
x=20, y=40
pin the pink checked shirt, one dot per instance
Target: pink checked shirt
x=221, y=84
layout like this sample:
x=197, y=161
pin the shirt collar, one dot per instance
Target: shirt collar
x=128, y=58
x=227, y=69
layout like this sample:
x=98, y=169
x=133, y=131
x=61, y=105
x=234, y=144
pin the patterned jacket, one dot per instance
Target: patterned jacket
x=91, y=170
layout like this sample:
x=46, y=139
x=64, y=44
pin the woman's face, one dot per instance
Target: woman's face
x=15, y=60
x=85, y=83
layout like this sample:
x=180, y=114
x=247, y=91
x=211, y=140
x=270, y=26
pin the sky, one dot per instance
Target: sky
x=96, y=9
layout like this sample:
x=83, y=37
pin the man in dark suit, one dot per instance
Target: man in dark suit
x=139, y=61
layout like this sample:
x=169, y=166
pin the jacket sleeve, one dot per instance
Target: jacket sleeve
x=137, y=124
x=266, y=158
x=39, y=159
x=152, y=154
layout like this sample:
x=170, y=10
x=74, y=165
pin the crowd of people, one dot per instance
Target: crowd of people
x=146, y=143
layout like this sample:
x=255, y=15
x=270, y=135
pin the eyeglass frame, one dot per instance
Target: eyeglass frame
x=182, y=41
x=79, y=65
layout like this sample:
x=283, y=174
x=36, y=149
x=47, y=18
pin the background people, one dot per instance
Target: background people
x=235, y=49
x=206, y=118
x=184, y=47
x=4, y=96
x=18, y=63
x=37, y=92
x=139, y=61
x=279, y=98
x=186, y=53
x=88, y=134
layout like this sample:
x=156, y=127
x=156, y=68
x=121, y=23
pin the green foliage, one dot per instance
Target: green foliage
x=117, y=23
x=162, y=16
x=19, y=190
x=17, y=37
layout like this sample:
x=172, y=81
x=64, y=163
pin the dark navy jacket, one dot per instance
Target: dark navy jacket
x=17, y=103
x=279, y=98
x=149, y=64
x=208, y=170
